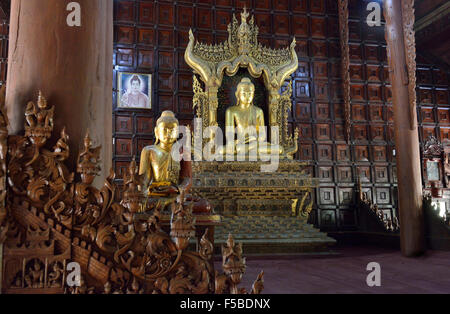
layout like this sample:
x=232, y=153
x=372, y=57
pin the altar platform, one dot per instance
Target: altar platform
x=267, y=212
x=273, y=235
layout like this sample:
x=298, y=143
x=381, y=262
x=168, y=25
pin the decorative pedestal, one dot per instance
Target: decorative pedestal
x=267, y=212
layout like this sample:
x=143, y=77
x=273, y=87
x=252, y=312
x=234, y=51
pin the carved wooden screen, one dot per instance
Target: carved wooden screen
x=4, y=31
x=151, y=37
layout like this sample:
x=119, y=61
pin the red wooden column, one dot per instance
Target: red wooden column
x=399, y=15
x=71, y=65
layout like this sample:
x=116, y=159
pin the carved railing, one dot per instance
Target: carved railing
x=51, y=217
x=372, y=217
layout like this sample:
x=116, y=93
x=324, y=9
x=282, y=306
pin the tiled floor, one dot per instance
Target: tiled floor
x=345, y=272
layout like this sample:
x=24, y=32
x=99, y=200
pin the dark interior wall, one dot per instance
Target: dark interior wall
x=151, y=36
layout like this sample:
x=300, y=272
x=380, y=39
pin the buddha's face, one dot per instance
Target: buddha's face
x=246, y=93
x=135, y=87
x=167, y=133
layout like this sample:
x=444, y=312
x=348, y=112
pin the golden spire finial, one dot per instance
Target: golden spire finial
x=87, y=140
x=42, y=102
x=245, y=15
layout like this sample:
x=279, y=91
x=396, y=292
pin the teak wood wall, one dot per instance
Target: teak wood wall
x=151, y=36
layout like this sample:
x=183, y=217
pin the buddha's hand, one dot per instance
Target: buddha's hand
x=168, y=189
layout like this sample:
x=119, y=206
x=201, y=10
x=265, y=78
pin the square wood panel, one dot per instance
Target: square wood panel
x=364, y=174
x=281, y=25
x=325, y=152
x=306, y=152
x=326, y=174
x=322, y=111
x=124, y=11
x=185, y=16
x=381, y=175
x=165, y=38
x=318, y=27
x=124, y=124
x=223, y=18
x=204, y=18
x=323, y=132
x=146, y=13
x=299, y=6
x=166, y=14
x=326, y=196
x=345, y=174
x=377, y=132
x=345, y=196
x=145, y=59
x=144, y=125
x=124, y=147
x=328, y=218
x=300, y=25
x=383, y=196
x=146, y=36
x=124, y=34
x=120, y=168
x=343, y=152
x=303, y=111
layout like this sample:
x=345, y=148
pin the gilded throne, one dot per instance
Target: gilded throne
x=237, y=84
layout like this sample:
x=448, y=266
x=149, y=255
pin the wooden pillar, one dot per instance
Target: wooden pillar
x=399, y=15
x=72, y=66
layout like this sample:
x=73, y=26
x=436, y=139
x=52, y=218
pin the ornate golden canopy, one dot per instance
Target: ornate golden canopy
x=242, y=50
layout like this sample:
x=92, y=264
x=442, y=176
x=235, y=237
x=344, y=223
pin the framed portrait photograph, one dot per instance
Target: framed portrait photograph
x=135, y=91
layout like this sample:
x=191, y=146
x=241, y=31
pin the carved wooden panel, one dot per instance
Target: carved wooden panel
x=302, y=111
x=343, y=152
x=345, y=196
x=345, y=174
x=326, y=174
x=328, y=218
x=144, y=125
x=124, y=124
x=123, y=147
x=327, y=196
x=323, y=132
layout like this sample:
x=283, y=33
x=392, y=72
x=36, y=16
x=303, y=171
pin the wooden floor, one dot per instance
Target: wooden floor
x=345, y=272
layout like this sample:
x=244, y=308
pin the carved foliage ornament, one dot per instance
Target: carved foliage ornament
x=3, y=172
x=407, y=76
x=55, y=218
x=345, y=52
x=432, y=147
x=408, y=19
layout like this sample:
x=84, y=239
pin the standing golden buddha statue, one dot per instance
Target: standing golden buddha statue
x=248, y=121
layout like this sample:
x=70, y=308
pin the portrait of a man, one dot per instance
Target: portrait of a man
x=134, y=90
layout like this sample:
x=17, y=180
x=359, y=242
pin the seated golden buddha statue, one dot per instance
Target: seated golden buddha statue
x=247, y=120
x=163, y=177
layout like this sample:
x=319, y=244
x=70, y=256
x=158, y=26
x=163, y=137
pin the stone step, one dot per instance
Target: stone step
x=273, y=235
